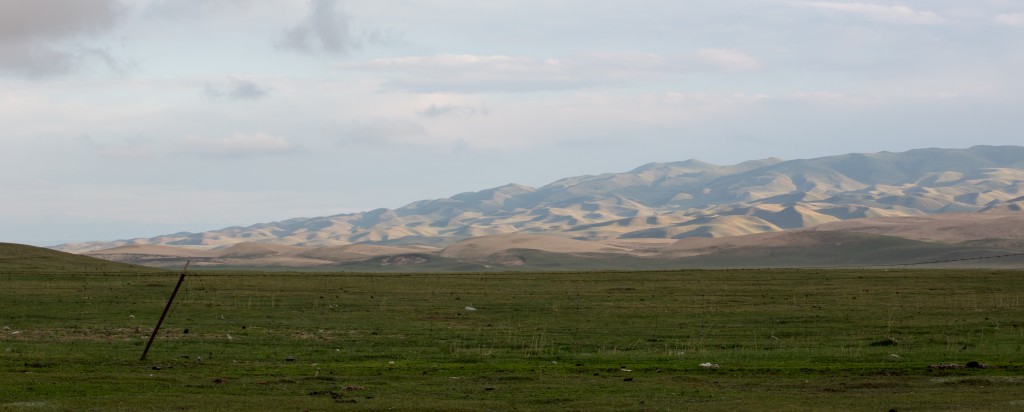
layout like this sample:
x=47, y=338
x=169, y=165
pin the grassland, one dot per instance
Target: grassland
x=781, y=339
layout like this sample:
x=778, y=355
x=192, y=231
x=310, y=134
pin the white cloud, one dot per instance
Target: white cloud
x=467, y=73
x=127, y=149
x=239, y=145
x=878, y=12
x=728, y=60
x=437, y=110
x=382, y=131
x=473, y=73
x=1010, y=20
x=578, y=118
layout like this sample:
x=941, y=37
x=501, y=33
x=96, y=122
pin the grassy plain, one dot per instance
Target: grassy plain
x=782, y=339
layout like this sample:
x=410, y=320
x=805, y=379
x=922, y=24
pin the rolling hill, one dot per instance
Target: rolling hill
x=17, y=258
x=667, y=201
x=936, y=241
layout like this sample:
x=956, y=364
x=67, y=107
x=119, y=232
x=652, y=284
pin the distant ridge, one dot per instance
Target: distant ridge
x=975, y=239
x=673, y=200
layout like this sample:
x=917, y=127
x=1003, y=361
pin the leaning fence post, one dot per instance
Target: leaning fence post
x=166, y=308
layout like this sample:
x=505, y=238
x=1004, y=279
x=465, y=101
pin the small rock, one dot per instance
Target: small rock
x=186, y=331
x=974, y=365
x=156, y=368
x=289, y=359
x=709, y=365
x=946, y=366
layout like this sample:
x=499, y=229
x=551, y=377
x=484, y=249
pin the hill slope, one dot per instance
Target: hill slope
x=16, y=258
x=976, y=239
x=666, y=200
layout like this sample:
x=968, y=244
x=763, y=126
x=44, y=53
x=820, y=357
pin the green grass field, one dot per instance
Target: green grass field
x=782, y=340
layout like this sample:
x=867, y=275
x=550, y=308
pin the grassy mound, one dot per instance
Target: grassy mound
x=17, y=258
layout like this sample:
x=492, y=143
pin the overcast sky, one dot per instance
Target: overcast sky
x=133, y=118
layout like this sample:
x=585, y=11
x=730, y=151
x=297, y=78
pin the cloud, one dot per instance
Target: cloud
x=728, y=60
x=236, y=89
x=239, y=145
x=381, y=131
x=474, y=73
x=35, y=61
x=126, y=149
x=468, y=73
x=56, y=19
x=877, y=12
x=193, y=9
x=1010, y=20
x=435, y=110
x=325, y=29
x=38, y=38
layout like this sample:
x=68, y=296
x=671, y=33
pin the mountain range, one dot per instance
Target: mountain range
x=652, y=209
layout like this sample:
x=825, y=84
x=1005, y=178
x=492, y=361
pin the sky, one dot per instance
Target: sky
x=134, y=118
